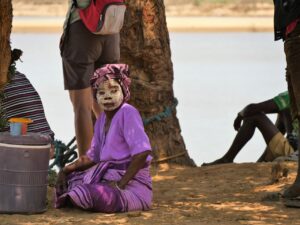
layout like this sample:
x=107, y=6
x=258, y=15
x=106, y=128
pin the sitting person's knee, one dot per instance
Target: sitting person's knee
x=255, y=118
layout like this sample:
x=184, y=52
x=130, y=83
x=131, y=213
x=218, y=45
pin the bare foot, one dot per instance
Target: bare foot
x=293, y=191
x=218, y=161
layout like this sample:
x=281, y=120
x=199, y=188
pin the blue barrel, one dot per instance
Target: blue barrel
x=24, y=163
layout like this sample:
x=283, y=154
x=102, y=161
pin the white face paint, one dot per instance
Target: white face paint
x=109, y=95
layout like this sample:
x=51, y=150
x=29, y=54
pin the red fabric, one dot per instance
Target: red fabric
x=91, y=15
x=291, y=26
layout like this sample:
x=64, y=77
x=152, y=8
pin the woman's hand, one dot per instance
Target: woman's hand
x=115, y=184
x=138, y=161
x=61, y=181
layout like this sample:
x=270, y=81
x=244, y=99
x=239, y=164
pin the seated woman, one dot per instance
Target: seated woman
x=114, y=174
x=22, y=100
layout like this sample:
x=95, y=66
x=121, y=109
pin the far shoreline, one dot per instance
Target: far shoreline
x=42, y=24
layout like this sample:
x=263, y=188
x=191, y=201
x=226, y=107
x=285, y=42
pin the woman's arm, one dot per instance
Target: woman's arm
x=82, y=163
x=138, y=162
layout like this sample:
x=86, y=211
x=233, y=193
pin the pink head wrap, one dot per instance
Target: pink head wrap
x=119, y=72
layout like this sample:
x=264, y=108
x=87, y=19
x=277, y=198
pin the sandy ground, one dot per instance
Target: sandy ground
x=223, y=194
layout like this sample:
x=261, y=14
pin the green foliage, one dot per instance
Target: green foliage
x=220, y=2
x=199, y=2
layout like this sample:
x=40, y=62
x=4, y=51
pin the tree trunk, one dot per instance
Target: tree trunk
x=5, y=30
x=145, y=46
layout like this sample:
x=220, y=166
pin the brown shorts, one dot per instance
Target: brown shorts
x=292, y=53
x=279, y=146
x=84, y=52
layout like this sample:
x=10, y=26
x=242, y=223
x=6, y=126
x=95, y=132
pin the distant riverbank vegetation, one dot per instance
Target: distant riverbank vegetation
x=173, y=7
x=219, y=7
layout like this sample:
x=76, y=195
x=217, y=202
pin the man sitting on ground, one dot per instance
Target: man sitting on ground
x=254, y=116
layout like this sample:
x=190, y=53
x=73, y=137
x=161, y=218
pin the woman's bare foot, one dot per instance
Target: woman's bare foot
x=218, y=161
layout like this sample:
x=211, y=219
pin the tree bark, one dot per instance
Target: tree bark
x=5, y=30
x=145, y=47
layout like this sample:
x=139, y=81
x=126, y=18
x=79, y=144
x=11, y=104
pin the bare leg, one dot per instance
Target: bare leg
x=82, y=106
x=294, y=190
x=96, y=109
x=245, y=133
x=291, y=48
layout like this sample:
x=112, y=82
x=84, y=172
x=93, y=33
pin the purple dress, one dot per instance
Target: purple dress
x=113, y=153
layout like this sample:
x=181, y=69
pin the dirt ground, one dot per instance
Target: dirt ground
x=223, y=194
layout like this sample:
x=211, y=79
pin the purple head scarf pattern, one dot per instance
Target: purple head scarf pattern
x=119, y=72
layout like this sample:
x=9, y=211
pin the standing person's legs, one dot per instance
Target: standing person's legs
x=292, y=52
x=76, y=77
x=82, y=106
x=81, y=51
